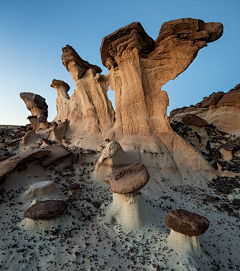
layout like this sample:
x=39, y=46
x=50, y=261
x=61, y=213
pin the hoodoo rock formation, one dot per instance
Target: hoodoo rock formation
x=38, y=107
x=138, y=67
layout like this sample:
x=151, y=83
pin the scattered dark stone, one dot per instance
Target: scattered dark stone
x=74, y=186
x=208, y=147
x=214, y=165
x=210, y=199
x=226, y=208
x=227, y=165
x=228, y=146
x=236, y=202
x=221, y=163
x=2, y=191
x=96, y=205
x=215, y=154
x=226, y=191
x=219, y=189
x=2, y=179
x=88, y=200
x=75, y=157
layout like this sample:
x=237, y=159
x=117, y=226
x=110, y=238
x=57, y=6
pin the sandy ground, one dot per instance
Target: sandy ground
x=84, y=238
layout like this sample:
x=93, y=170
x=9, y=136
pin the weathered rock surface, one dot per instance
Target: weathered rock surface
x=57, y=153
x=37, y=105
x=41, y=189
x=61, y=87
x=44, y=210
x=231, y=98
x=113, y=157
x=125, y=38
x=220, y=109
x=138, y=67
x=11, y=163
x=186, y=222
x=189, y=119
x=75, y=64
x=59, y=130
x=128, y=179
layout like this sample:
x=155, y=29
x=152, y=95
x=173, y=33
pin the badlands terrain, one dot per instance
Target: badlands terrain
x=130, y=188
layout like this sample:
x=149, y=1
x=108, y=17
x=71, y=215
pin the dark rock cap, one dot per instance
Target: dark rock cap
x=128, y=179
x=189, y=119
x=192, y=29
x=44, y=210
x=58, y=83
x=186, y=222
x=128, y=37
x=69, y=55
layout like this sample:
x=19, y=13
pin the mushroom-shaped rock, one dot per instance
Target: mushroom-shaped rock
x=44, y=210
x=59, y=130
x=11, y=163
x=75, y=64
x=185, y=229
x=37, y=105
x=61, y=87
x=128, y=207
x=128, y=179
x=113, y=157
x=41, y=189
x=125, y=38
x=186, y=222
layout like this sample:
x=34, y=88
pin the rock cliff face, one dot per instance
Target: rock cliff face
x=138, y=67
x=220, y=109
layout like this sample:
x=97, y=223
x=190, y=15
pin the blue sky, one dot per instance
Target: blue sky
x=32, y=34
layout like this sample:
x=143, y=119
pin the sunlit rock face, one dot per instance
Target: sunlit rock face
x=138, y=67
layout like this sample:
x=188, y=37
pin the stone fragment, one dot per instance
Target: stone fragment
x=210, y=199
x=41, y=189
x=189, y=119
x=74, y=186
x=57, y=153
x=128, y=179
x=11, y=163
x=228, y=146
x=44, y=210
x=236, y=202
x=186, y=222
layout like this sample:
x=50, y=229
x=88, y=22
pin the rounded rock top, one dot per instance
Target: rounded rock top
x=44, y=210
x=188, y=223
x=128, y=179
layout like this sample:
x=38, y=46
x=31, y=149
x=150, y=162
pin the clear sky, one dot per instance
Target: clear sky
x=32, y=34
